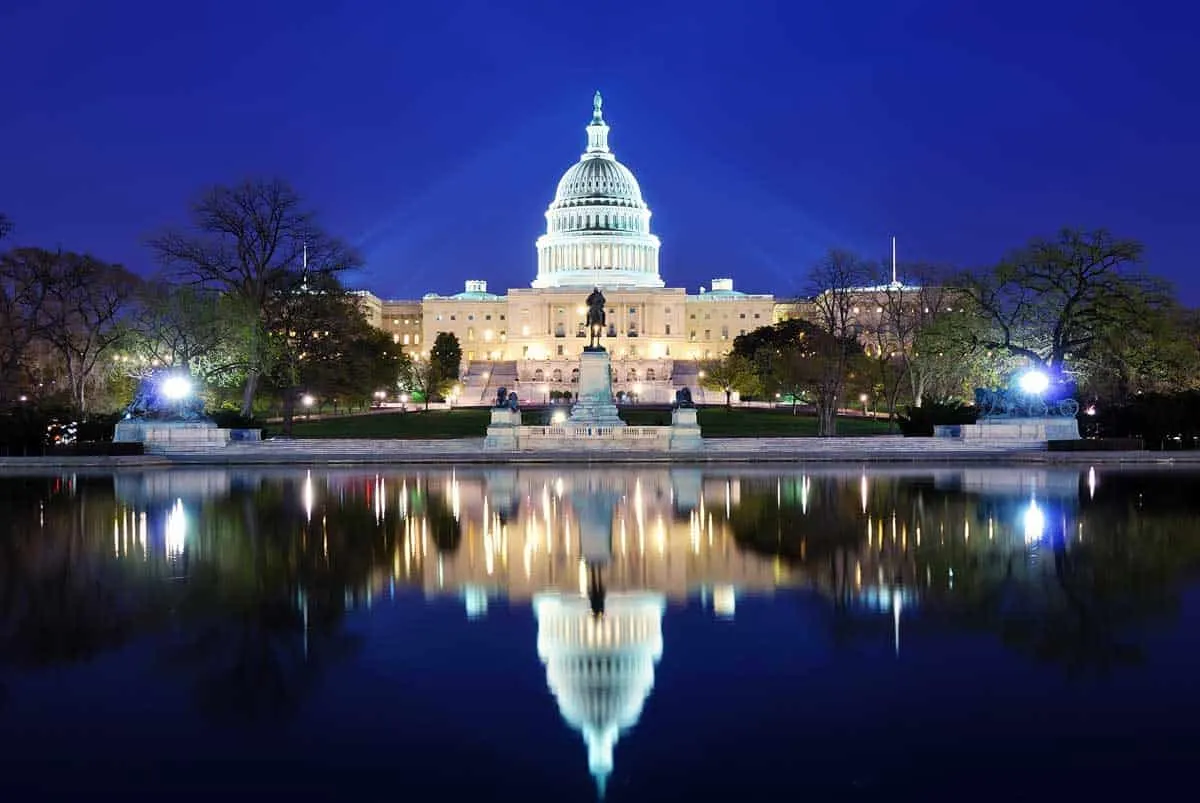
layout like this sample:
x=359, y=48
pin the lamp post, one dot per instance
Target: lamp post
x=862, y=397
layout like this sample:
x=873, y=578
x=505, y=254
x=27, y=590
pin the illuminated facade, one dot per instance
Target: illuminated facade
x=598, y=234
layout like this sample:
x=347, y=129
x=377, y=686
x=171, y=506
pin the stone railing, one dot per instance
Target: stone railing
x=568, y=436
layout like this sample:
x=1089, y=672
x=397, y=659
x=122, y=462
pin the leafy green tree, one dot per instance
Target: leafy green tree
x=316, y=321
x=1161, y=357
x=731, y=372
x=250, y=241
x=188, y=326
x=422, y=377
x=1055, y=302
x=446, y=358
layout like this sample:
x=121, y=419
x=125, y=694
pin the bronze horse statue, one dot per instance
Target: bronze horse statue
x=595, y=318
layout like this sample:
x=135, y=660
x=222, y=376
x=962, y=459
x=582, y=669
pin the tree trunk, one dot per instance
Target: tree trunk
x=248, y=393
x=826, y=418
x=728, y=398
x=289, y=411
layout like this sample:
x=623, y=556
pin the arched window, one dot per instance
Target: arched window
x=538, y=376
x=557, y=375
x=574, y=374
x=631, y=376
x=650, y=375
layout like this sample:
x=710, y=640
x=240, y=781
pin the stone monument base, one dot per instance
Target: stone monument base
x=503, y=429
x=1049, y=428
x=595, y=406
x=166, y=436
x=685, y=430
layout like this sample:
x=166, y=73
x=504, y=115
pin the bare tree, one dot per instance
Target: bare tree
x=5, y=226
x=836, y=284
x=83, y=316
x=246, y=241
x=24, y=274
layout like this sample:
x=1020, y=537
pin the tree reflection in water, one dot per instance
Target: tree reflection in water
x=250, y=601
x=247, y=583
x=1076, y=592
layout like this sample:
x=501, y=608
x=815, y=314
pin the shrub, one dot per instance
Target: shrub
x=920, y=421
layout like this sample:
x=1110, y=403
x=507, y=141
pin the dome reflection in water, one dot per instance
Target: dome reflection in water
x=837, y=598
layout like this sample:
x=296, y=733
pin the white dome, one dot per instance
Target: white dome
x=598, y=226
x=598, y=180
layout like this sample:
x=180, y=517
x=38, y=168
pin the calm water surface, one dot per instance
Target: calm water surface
x=556, y=634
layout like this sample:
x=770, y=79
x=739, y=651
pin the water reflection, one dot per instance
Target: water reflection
x=247, y=576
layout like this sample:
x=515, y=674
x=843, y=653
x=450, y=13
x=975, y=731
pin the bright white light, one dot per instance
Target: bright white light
x=307, y=400
x=176, y=387
x=175, y=530
x=1034, y=382
x=1035, y=522
x=559, y=417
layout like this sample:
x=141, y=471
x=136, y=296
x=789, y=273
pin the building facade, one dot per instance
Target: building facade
x=598, y=234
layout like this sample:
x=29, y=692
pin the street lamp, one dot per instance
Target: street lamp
x=862, y=397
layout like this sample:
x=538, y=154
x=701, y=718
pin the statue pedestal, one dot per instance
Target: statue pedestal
x=1046, y=428
x=503, y=429
x=159, y=436
x=595, y=406
x=685, y=430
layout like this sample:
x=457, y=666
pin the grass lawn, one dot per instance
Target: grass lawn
x=715, y=422
x=465, y=423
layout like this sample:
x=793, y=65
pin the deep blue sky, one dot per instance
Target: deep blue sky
x=432, y=134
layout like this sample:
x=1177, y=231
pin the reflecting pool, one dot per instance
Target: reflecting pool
x=636, y=634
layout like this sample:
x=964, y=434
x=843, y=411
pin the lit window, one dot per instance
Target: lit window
x=416, y=340
x=395, y=338
x=406, y=340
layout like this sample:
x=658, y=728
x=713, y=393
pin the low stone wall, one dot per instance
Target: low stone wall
x=583, y=437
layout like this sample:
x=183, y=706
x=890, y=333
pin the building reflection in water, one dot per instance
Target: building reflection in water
x=601, y=554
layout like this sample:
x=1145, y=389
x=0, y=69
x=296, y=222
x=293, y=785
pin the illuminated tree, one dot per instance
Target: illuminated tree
x=249, y=241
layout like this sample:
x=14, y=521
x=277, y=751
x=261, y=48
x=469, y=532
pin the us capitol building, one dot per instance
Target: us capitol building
x=597, y=235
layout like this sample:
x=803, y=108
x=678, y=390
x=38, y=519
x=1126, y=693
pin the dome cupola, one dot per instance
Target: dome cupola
x=598, y=226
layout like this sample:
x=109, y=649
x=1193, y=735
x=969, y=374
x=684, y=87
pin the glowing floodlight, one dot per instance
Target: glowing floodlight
x=175, y=388
x=1033, y=382
x=559, y=418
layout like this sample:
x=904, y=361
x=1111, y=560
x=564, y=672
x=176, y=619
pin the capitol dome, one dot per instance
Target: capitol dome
x=598, y=226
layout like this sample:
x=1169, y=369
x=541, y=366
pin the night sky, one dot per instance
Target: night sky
x=432, y=135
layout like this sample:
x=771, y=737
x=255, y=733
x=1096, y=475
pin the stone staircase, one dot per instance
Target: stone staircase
x=475, y=381
x=503, y=375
